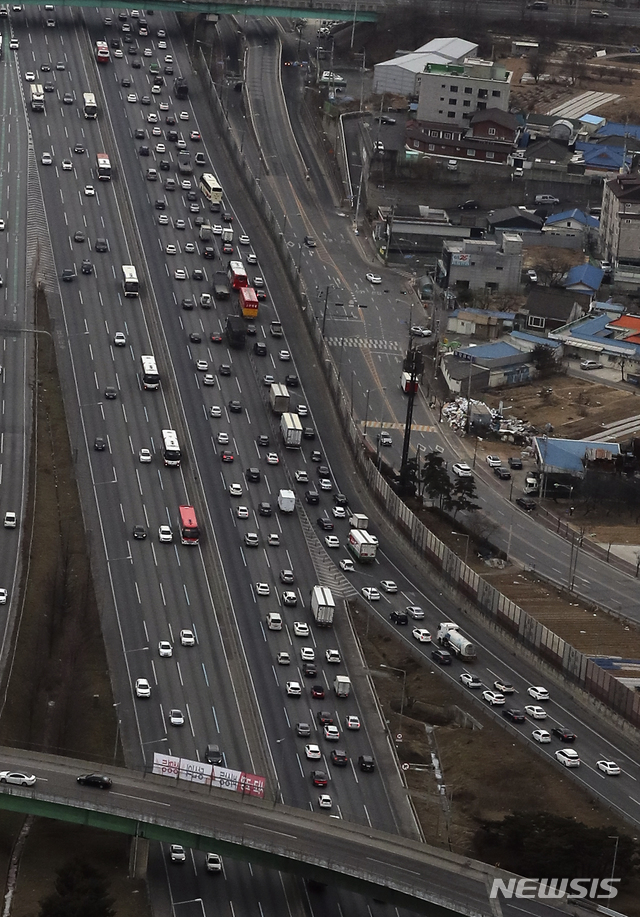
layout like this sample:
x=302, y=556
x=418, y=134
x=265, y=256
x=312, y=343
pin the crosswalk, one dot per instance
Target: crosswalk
x=367, y=343
x=415, y=427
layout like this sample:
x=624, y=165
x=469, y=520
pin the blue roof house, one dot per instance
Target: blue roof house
x=584, y=278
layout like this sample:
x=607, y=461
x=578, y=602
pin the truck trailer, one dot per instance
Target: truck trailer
x=291, y=429
x=450, y=638
x=322, y=606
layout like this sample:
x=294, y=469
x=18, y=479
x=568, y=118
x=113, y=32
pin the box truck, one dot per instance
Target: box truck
x=342, y=685
x=291, y=429
x=236, y=334
x=363, y=547
x=359, y=521
x=286, y=501
x=407, y=384
x=322, y=606
x=279, y=398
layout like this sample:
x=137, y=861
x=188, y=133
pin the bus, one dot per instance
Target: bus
x=248, y=302
x=103, y=167
x=211, y=187
x=89, y=105
x=130, y=280
x=103, y=55
x=189, y=533
x=150, y=374
x=171, y=454
x=237, y=275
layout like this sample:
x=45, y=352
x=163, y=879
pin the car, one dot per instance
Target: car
x=205, y=300
x=389, y=586
x=346, y=564
x=541, y=736
x=30, y=76
x=442, y=657
x=86, y=267
x=165, y=649
x=312, y=497
x=251, y=540
x=324, y=717
x=516, y=716
x=493, y=698
x=564, y=734
x=468, y=205
x=272, y=458
x=309, y=241
x=242, y=512
x=339, y=512
x=324, y=801
x=235, y=490
x=67, y=165
x=196, y=338
x=301, y=477
x=538, y=693
x=187, y=638
x=99, y=444
x=415, y=612
x=265, y=508
x=331, y=733
x=89, y=191
x=68, y=274
x=568, y=757
x=352, y=722
x=273, y=540
x=242, y=240
x=100, y=781
x=399, y=617
x=526, y=503
x=165, y=535
x=325, y=484
x=144, y=456
x=332, y=541
x=286, y=576
x=263, y=589
x=79, y=236
x=213, y=862
x=289, y=599
x=421, y=634
x=226, y=456
x=67, y=99
x=139, y=532
x=46, y=159
x=378, y=146
x=546, y=199
x=313, y=752
x=318, y=778
x=366, y=763
x=208, y=379
x=284, y=356
x=202, y=366
x=176, y=717
x=307, y=654
x=184, y=115
x=374, y=278
x=599, y=14
x=293, y=689
x=101, y=245
x=470, y=681
x=316, y=456
x=177, y=853
x=301, y=628
x=250, y=257
x=532, y=276
x=332, y=656
x=339, y=758
x=535, y=712
x=143, y=688
x=503, y=473
x=462, y=470
x=132, y=97
x=310, y=670
x=283, y=659
x=514, y=463
x=420, y=332
x=325, y=524
x=235, y=407
x=493, y=461
x=590, y=364
x=609, y=767
x=110, y=393
x=17, y=779
x=14, y=44
x=303, y=730
x=370, y=593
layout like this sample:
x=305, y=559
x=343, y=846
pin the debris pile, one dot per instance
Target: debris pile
x=462, y=413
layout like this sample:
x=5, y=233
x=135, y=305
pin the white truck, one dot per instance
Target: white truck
x=450, y=638
x=286, y=501
x=206, y=232
x=342, y=685
x=227, y=234
x=407, y=383
x=359, y=521
x=362, y=545
x=322, y=606
x=291, y=429
x=37, y=97
x=279, y=398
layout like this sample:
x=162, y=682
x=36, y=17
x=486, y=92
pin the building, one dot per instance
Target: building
x=476, y=264
x=547, y=309
x=605, y=336
x=403, y=73
x=452, y=93
x=485, y=324
x=570, y=456
x=471, y=143
x=416, y=230
x=514, y=219
x=571, y=224
x=620, y=227
x=479, y=367
x=584, y=278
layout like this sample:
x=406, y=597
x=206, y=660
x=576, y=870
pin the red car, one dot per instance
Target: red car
x=317, y=691
x=318, y=778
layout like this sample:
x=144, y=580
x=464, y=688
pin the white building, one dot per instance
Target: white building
x=454, y=92
x=402, y=74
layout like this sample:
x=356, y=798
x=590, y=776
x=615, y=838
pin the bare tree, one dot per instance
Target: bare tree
x=537, y=62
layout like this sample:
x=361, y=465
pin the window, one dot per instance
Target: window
x=466, y=103
x=468, y=90
x=490, y=155
x=451, y=114
x=452, y=101
x=448, y=135
x=496, y=93
x=431, y=147
x=453, y=88
x=471, y=152
x=499, y=267
x=492, y=131
x=482, y=106
x=535, y=321
x=483, y=93
x=434, y=133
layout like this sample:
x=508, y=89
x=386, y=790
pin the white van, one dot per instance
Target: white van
x=274, y=621
x=452, y=165
x=546, y=199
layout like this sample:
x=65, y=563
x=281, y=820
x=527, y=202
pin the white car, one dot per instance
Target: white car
x=164, y=648
x=177, y=854
x=251, y=258
x=14, y=44
x=301, y=628
x=223, y=438
x=332, y=656
x=161, y=148
x=351, y=722
x=370, y=593
x=536, y=713
x=538, y=693
x=374, y=278
x=162, y=46
x=332, y=541
x=313, y=752
x=324, y=801
x=213, y=862
x=415, y=612
x=118, y=53
x=470, y=681
x=235, y=490
x=263, y=589
x=89, y=191
x=339, y=512
x=202, y=366
x=325, y=484
x=462, y=470
x=165, y=534
x=163, y=219
x=303, y=410
x=171, y=249
x=569, y=757
x=285, y=356
x=302, y=477
x=179, y=274
x=30, y=76
x=190, y=248
x=272, y=458
x=215, y=411
x=132, y=97
x=293, y=689
x=493, y=698
x=144, y=456
x=283, y=659
x=216, y=229
x=346, y=564
x=47, y=159
x=187, y=638
x=541, y=736
x=307, y=654
x=176, y=717
x=421, y=635
x=494, y=461
x=504, y=687
x=17, y=779
x=388, y=585
x=244, y=240
x=331, y=733
x=242, y=512
x=152, y=118
x=143, y=688
x=184, y=115
x=67, y=165
x=119, y=339
x=273, y=540
x=3, y=596
x=10, y=520
x=420, y=332
x=608, y=767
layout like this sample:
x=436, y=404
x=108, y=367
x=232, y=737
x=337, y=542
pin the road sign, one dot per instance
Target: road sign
x=405, y=766
x=399, y=737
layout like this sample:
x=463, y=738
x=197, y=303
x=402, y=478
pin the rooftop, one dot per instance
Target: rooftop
x=577, y=215
x=567, y=454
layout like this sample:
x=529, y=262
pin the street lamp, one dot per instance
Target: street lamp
x=115, y=747
x=326, y=303
x=275, y=798
x=466, y=550
x=366, y=414
x=404, y=682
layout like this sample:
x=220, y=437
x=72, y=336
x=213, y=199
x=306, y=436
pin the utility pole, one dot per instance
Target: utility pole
x=413, y=362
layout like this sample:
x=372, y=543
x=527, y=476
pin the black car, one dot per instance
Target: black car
x=292, y=381
x=168, y=70
x=468, y=205
x=323, y=471
x=366, y=763
x=87, y=267
x=324, y=718
x=399, y=617
x=49, y=87
x=99, y=780
x=224, y=369
x=339, y=758
x=515, y=463
x=197, y=274
x=312, y=497
x=260, y=349
x=308, y=433
x=261, y=295
x=67, y=99
x=160, y=205
x=264, y=509
x=526, y=503
x=192, y=196
x=173, y=136
x=188, y=303
x=340, y=500
x=144, y=150
x=309, y=670
x=126, y=82
x=99, y=444
x=101, y=245
x=564, y=734
x=251, y=330
x=226, y=217
x=79, y=148
x=68, y=274
x=139, y=532
x=253, y=475
x=164, y=165
x=325, y=524
x=262, y=439
x=503, y=473
x=442, y=657
x=235, y=407
x=209, y=252
x=135, y=63
x=195, y=337
x=516, y=716
x=309, y=241
x=139, y=133
x=115, y=43
x=213, y=754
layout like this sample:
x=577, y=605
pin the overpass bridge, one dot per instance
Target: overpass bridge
x=347, y=10
x=315, y=846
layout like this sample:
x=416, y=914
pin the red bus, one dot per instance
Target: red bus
x=237, y=275
x=248, y=302
x=103, y=55
x=189, y=532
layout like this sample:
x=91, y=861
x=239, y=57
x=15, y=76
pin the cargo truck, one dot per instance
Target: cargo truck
x=342, y=685
x=221, y=285
x=362, y=545
x=236, y=334
x=359, y=521
x=407, y=384
x=227, y=234
x=180, y=88
x=37, y=97
x=279, y=398
x=291, y=429
x=185, y=166
x=206, y=232
x=275, y=329
x=450, y=638
x=286, y=501
x=322, y=606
